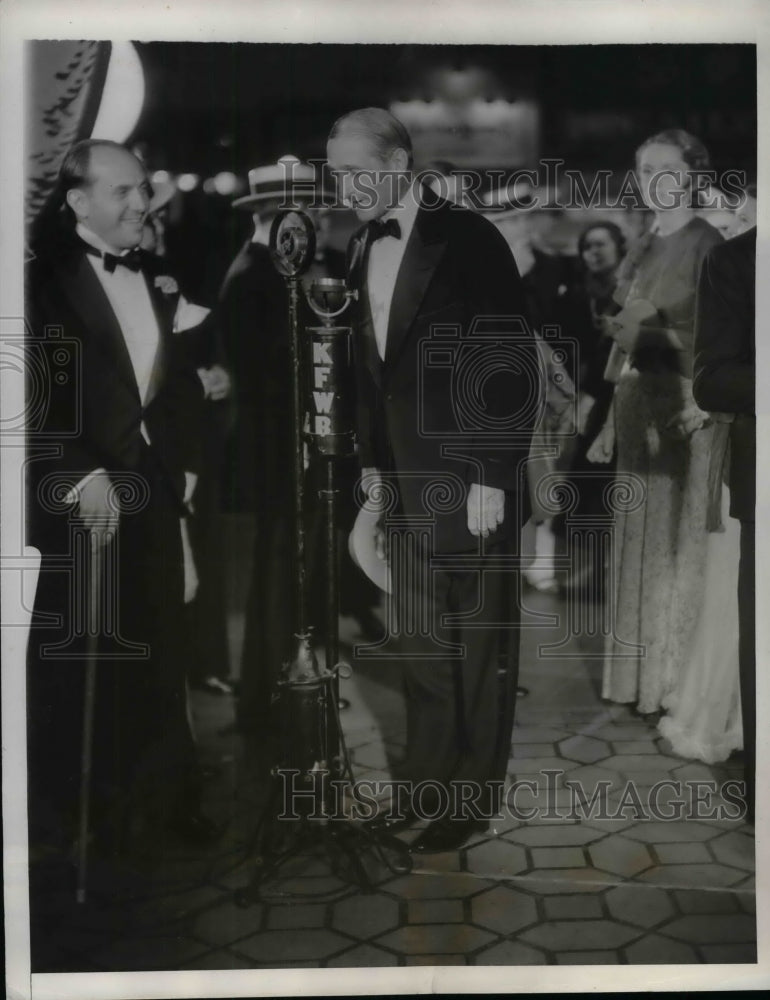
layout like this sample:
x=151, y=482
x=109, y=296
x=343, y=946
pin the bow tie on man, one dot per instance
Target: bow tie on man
x=379, y=228
x=132, y=259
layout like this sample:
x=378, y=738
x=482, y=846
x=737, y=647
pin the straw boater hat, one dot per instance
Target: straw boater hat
x=289, y=183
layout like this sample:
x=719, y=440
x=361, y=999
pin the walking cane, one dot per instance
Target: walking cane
x=95, y=566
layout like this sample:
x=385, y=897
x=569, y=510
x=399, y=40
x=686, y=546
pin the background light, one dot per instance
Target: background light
x=225, y=183
x=161, y=177
x=187, y=182
x=123, y=95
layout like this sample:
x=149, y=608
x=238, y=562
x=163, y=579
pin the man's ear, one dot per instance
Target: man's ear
x=78, y=202
x=399, y=160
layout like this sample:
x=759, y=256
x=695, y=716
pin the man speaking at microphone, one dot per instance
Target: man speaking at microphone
x=448, y=389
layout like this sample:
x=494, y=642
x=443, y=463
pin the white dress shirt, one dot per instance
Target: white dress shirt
x=130, y=300
x=385, y=258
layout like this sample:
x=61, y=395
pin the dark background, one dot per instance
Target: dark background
x=214, y=107
x=231, y=106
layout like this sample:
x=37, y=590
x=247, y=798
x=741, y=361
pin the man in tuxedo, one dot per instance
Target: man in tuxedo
x=724, y=378
x=113, y=462
x=449, y=389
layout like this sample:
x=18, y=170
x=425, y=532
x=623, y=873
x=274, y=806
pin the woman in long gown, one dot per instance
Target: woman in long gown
x=663, y=439
x=704, y=720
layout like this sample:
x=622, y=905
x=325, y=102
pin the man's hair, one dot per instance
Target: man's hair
x=385, y=132
x=75, y=171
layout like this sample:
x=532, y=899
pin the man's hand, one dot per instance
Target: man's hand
x=216, y=382
x=190, y=482
x=95, y=509
x=486, y=509
x=686, y=422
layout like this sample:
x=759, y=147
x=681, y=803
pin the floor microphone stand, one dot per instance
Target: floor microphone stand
x=313, y=750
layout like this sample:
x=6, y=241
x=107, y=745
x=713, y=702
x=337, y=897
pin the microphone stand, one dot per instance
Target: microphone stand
x=307, y=695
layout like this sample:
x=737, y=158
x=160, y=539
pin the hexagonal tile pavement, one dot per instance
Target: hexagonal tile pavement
x=709, y=928
x=554, y=836
x=452, y=886
x=227, y=923
x=640, y=762
x=639, y=904
x=625, y=732
x=436, y=960
x=587, y=958
x=557, y=857
x=620, y=855
x=745, y=953
x=587, y=779
x=365, y=916
x=496, y=857
x=707, y=901
x=681, y=831
x=694, y=876
x=552, y=881
x=573, y=935
x=536, y=734
x=736, y=849
x=296, y=915
x=436, y=911
x=510, y=953
x=532, y=750
x=656, y=950
x=645, y=746
x=435, y=939
x=289, y=946
x=573, y=907
x=523, y=766
x=584, y=749
x=674, y=854
x=503, y=910
x=362, y=956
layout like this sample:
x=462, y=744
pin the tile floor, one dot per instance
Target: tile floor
x=562, y=888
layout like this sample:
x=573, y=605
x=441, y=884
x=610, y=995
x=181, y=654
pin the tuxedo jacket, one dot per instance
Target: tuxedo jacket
x=725, y=362
x=91, y=413
x=460, y=389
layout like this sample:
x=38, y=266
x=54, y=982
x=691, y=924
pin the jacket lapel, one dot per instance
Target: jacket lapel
x=89, y=300
x=367, y=342
x=164, y=307
x=423, y=252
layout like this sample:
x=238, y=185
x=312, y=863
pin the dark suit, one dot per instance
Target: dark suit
x=143, y=750
x=724, y=382
x=418, y=425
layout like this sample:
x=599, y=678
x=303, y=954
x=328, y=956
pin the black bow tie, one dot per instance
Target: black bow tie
x=132, y=260
x=387, y=227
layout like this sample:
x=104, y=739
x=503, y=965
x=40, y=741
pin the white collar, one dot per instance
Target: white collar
x=96, y=241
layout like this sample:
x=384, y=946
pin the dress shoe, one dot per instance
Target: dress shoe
x=446, y=835
x=194, y=829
